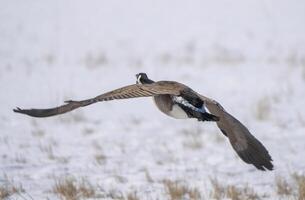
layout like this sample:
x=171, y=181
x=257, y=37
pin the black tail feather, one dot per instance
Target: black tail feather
x=209, y=117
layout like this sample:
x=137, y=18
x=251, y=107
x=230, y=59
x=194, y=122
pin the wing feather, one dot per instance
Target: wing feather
x=130, y=91
x=248, y=148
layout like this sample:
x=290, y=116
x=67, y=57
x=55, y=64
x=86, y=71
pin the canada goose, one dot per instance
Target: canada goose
x=178, y=101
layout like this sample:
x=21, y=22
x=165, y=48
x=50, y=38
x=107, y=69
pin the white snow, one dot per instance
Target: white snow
x=248, y=55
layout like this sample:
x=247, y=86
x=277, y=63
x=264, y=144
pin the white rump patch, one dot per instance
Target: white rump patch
x=186, y=103
x=177, y=112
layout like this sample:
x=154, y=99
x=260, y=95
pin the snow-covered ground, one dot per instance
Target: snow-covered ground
x=248, y=55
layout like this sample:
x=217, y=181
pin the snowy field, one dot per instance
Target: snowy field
x=248, y=55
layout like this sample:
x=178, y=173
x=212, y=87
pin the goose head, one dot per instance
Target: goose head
x=142, y=78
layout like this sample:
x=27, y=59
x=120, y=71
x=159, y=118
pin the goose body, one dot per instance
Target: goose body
x=178, y=101
x=185, y=105
x=165, y=104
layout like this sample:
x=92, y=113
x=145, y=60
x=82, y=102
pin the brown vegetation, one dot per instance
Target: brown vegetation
x=220, y=191
x=71, y=189
x=177, y=191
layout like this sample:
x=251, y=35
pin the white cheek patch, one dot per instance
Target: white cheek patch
x=138, y=80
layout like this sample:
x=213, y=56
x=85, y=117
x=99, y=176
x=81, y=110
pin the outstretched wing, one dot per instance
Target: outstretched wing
x=249, y=149
x=131, y=91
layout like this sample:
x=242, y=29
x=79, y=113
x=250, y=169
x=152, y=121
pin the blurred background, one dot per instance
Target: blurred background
x=248, y=55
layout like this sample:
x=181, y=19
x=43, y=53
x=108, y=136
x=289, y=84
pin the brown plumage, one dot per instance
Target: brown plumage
x=249, y=149
x=243, y=142
x=131, y=91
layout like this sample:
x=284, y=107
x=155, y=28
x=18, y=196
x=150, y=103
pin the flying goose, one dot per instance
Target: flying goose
x=179, y=101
